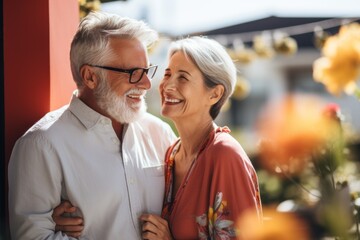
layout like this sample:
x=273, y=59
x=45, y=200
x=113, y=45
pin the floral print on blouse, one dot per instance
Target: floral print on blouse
x=215, y=223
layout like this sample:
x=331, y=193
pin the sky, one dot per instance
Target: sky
x=178, y=17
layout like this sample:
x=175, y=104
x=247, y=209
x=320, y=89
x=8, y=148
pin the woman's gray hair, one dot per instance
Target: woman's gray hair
x=90, y=43
x=214, y=63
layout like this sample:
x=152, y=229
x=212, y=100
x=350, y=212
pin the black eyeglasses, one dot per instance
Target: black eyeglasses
x=135, y=74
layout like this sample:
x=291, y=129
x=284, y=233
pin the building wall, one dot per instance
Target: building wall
x=36, y=76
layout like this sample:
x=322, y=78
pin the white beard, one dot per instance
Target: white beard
x=117, y=106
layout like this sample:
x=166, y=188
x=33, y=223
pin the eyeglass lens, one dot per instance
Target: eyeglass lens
x=138, y=73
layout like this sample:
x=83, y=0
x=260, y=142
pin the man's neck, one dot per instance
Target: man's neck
x=118, y=128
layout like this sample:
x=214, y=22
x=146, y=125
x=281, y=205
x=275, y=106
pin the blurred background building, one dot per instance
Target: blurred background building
x=264, y=74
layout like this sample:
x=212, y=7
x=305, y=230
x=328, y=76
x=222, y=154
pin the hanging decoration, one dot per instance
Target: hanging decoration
x=241, y=53
x=262, y=45
x=242, y=88
x=283, y=44
x=320, y=37
x=269, y=43
x=246, y=55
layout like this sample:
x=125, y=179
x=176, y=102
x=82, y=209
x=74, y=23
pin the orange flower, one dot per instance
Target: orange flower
x=276, y=225
x=291, y=131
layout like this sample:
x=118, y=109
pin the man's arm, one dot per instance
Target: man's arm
x=34, y=189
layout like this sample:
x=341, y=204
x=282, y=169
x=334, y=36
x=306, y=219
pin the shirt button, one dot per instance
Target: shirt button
x=132, y=181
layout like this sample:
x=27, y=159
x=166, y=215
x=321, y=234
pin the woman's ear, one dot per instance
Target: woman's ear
x=88, y=76
x=216, y=94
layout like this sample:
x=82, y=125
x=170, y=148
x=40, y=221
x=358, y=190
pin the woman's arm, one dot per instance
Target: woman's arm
x=155, y=227
x=71, y=226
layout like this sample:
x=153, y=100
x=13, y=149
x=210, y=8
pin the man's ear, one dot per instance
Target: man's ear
x=88, y=76
x=216, y=94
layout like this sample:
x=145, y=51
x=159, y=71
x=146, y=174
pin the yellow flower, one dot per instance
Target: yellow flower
x=339, y=67
x=345, y=44
x=336, y=74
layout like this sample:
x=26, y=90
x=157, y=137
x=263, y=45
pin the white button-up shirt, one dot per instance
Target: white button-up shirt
x=74, y=154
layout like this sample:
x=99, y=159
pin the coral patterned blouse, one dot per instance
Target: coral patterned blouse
x=219, y=186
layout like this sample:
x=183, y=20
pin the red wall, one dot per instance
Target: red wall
x=26, y=66
x=37, y=77
x=37, y=35
x=64, y=18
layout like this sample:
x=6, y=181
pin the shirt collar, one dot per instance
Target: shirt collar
x=86, y=115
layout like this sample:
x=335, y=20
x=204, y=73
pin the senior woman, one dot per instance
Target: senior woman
x=209, y=179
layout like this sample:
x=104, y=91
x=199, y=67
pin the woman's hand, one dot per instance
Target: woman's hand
x=71, y=226
x=155, y=227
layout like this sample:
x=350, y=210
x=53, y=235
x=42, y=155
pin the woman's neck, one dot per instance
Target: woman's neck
x=193, y=135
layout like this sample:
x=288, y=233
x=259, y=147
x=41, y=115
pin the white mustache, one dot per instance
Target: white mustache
x=136, y=91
